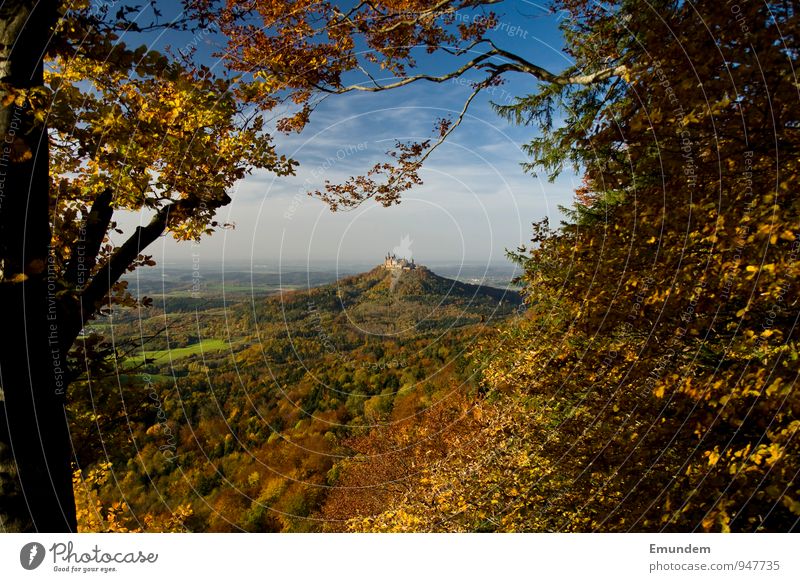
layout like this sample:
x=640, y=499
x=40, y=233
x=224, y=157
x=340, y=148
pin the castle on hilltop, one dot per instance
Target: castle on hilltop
x=391, y=262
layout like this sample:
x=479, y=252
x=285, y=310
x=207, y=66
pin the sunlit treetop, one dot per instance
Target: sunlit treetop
x=135, y=129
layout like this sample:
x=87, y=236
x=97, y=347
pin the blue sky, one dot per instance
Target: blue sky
x=475, y=202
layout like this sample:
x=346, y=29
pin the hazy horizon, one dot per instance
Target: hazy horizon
x=476, y=200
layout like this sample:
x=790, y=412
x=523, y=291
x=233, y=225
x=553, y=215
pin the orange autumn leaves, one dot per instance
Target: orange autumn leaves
x=652, y=383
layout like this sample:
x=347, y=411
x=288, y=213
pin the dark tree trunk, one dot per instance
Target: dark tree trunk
x=35, y=465
x=35, y=452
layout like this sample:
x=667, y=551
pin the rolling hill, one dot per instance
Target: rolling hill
x=394, y=301
x=242, y=413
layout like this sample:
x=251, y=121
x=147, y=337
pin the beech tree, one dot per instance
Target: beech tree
x=92, y=127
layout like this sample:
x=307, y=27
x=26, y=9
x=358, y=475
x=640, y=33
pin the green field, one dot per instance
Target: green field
x=166, y=356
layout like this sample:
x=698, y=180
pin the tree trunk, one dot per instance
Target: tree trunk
x=35, y=452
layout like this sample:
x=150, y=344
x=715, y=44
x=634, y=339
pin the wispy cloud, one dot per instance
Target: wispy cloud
x=475, y=203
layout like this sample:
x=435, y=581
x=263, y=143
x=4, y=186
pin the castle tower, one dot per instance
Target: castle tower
x=391, y=261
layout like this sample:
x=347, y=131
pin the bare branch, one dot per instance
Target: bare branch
x=521, y=65
x=515, y=63
x=459, y=119
x=472, y=64
x=400, y=177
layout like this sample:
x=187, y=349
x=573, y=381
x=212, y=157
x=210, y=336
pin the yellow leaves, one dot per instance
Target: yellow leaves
x=720, y=105
x=768, y=268
x=92, y=514
x=713, y=456
x=19, y=278
x=791, y=504
x=690, y=118
x=707, y=523
x=151, y=127
x=763, y=454
x=8, y=99
x=725, y=523
x=773, y=452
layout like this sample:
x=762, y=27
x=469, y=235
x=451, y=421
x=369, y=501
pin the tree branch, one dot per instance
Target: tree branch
x=478, y=88
x=83, y=257
x=521, y=65
x=400, y=177
x=125, y=255
x=438, y=10
x=120, y=260
x=515, y=63
x=474, y=63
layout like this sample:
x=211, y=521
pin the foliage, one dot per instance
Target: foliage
x=651, y=385
x=141, y=130
x=248, y=437
x=303, y=52
x=94, y=516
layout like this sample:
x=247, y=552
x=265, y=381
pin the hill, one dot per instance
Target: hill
x=421, y=282
x=240, y=414
x=394, y=301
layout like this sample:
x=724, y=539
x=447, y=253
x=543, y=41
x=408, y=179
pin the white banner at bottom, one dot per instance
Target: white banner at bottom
x=389, y=557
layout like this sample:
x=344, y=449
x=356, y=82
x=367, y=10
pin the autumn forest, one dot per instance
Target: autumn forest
x=629, y=365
